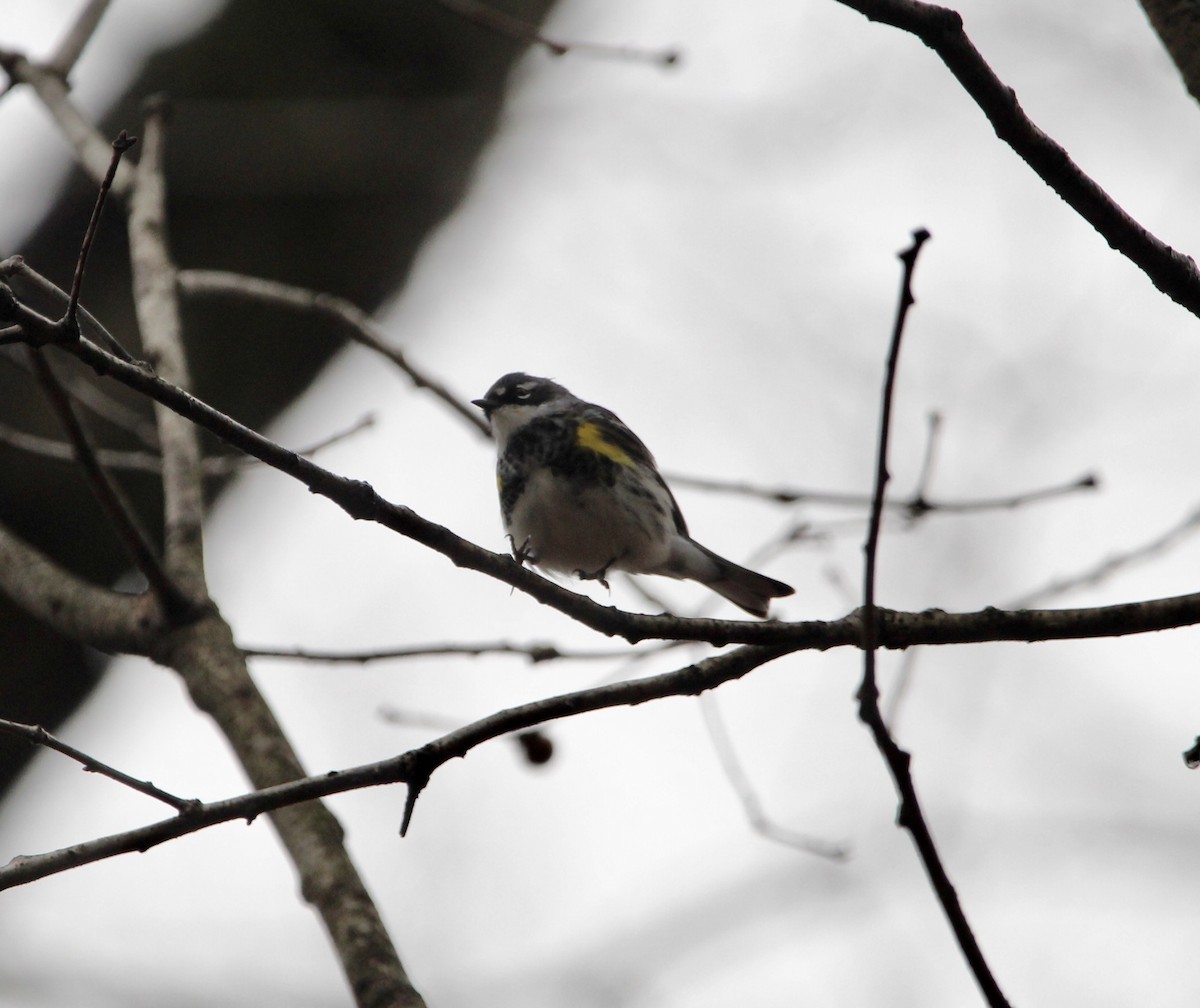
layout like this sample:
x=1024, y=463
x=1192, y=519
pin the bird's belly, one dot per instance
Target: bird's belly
x=568, y=528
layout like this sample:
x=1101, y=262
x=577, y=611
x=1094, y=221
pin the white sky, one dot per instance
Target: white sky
x=710, y=252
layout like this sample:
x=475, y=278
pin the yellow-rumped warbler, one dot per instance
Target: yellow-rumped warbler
x=579, y=492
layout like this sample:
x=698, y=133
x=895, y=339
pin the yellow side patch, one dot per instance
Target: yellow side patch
x=589, y=435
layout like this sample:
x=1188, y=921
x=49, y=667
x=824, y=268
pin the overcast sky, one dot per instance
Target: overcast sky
x=710, y=251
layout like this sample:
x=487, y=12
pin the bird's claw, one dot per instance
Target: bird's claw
x=522, y=554
x=600, y=575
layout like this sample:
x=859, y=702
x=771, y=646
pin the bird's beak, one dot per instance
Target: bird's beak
x=484, y=404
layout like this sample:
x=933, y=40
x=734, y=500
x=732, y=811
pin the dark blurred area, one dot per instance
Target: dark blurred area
x=316, y=143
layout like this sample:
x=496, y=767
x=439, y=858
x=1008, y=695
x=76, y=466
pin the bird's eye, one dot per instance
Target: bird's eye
x=521, y=392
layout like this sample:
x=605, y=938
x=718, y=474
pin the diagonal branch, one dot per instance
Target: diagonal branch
x=71, y=47
x=91, y=149
x=101, y=618
x=897, y=629
x=37, y=735
x=940, y=28
x=203, y=651
x=357, y=324
x=117, y=509
x=739, y=780
x=414, y=767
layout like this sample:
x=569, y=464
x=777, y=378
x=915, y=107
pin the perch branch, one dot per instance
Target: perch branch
x=896, y=629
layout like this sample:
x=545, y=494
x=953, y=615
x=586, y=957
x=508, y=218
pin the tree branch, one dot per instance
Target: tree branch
x=112, y=501
x=68, y=51
x=915, y=505
x=735, y=773
x=940, y=28
x=356, y=323
x=162, y=337
x=536, y=653
x=37, y=735
x=414, y=767
x=896, y=629
x=91, y=149
x=106, y=620
x=504, y=24
x=203, y=651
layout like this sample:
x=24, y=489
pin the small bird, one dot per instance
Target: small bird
x=580, y=493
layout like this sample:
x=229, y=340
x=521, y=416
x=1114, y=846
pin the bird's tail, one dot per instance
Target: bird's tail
x=743, y=587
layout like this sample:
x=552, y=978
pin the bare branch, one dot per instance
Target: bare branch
x=92, y=151
x=914, y=505
x=940, y=28
x=158, y=319
x=139, y=461
x=1106, y=568
x=119, y=146
x=106, y=620
x=896, y=629
x=521, y=31
x=536, y=653
x=353, y=320
x=17, y=267
x=925, y=474
x=414, y=767
x=534, y=744
x=37, y=735
x=735, y=773
x=115, y=506
x=203, y=650
x=65, y=56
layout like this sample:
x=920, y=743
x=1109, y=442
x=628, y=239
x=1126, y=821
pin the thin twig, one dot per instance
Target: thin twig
x=914, y=505
x=536, y=653
x=901, y=685
x=37, y=735
x=356, y=323
x=71, y=317
x=1106, y=568
x=116, y=507
x=522, y=31
x=735, y=773
x=1089, y=578
x=925, y=473
x=898, y=761
x=17, y=266
x=114, y=459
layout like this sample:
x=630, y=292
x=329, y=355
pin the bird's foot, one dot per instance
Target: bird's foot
x=600, y=575
x=523, y=554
